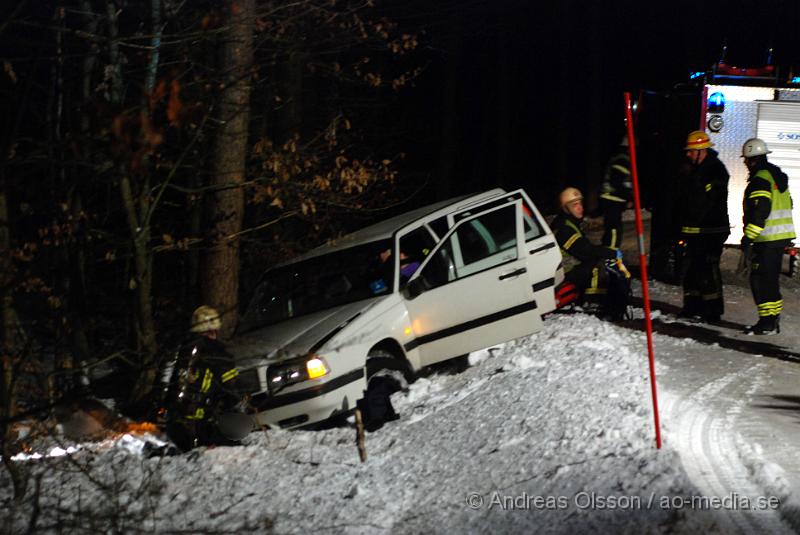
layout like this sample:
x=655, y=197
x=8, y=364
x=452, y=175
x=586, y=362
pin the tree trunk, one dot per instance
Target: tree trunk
x=8, y=353
x=138, y=211
x=220, y=274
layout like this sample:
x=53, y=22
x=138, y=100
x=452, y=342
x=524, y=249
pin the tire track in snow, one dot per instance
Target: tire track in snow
x=702, y=432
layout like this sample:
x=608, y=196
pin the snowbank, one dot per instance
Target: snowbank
x=551, y=433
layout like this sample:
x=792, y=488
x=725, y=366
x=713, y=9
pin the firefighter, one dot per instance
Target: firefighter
x=704, y=228
x=616, y=194
x=583, y=261
x=202, y=385
x=768, y=229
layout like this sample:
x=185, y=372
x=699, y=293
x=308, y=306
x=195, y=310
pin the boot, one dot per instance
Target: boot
x=766, y=325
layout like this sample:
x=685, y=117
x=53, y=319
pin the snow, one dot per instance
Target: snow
x=558, y=424
x=552, y=433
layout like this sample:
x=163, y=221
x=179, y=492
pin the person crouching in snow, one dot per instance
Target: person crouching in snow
x=585, y=264
x=201, y=385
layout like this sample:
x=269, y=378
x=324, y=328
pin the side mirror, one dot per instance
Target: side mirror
x=414, y=288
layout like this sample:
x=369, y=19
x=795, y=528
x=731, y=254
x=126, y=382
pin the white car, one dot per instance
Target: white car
x=422, y=287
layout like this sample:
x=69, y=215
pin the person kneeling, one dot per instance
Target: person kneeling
x=593, y=269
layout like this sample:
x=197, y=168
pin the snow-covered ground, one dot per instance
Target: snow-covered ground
x=551, y=433
x=548, y=434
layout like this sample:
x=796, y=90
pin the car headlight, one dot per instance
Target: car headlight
x=279, y=376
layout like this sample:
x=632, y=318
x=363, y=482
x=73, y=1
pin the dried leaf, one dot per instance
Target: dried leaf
x=174, y=106
x=158, y=93
x=10, y=71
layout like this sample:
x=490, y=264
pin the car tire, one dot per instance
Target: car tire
x=386, y=374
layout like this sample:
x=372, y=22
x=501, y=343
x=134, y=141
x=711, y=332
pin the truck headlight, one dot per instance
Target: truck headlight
x=279, y=376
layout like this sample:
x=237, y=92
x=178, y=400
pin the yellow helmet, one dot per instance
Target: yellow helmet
x=698, y=140
x=569, y=195
x=205, y=318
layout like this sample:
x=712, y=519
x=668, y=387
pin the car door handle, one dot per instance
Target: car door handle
x=514, y=273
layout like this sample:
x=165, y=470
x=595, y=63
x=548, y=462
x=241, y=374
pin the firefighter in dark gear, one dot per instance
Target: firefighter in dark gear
x=616, y=194
x=583, y=261
x=703, y=216
x=768, y=229
x=202, y=385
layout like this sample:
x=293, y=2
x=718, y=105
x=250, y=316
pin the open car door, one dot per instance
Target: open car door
x=474, y=289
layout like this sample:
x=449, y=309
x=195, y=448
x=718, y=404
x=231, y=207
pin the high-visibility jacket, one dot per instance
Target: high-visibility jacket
x=768, y=206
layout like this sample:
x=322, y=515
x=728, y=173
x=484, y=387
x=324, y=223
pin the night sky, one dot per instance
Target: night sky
x=539, y=99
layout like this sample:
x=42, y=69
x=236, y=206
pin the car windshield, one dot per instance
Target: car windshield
x=321, y=282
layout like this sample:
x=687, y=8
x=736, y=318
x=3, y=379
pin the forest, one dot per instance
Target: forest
x=161, y=154
x=156, y=155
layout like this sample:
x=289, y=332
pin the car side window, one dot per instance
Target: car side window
x=478, y=244
x=440, y=226
x=532, y=227
x=414, y=247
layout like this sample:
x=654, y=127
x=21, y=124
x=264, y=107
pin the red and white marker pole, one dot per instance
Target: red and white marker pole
x=642, y=263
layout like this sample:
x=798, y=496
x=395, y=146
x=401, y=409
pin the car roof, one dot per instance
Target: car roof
x=386, y=229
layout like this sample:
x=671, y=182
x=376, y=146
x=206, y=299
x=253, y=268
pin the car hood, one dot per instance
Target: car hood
x=294, y=337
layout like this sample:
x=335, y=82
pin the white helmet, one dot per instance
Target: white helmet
x=754, y=147
x=205, y=319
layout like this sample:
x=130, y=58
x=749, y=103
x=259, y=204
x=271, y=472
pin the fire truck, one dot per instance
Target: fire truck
x=732, y=104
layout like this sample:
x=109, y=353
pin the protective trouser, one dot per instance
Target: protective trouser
x=764, y=283
x=702, y=283
x=590, y=278
x=612, y=222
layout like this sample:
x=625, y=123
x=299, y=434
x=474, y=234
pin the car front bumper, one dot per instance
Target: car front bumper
x=309, y=405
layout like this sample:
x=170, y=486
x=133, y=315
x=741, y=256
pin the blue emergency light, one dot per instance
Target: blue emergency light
x=697, y=74
x=795, y=80
x=716, y=103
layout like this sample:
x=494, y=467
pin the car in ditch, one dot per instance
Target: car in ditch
x=422, y=287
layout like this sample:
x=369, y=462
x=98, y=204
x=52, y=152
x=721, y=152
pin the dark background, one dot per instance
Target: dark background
x=532, y=93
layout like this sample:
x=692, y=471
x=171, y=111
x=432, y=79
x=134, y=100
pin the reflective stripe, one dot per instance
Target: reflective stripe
x=760, y=193
x=206, y=381
x=708, y=188
x=571, y=240
x=711, y=297
x=596, y=291
x=779, y=224
x=593, y=285
x=771, y=308
x=772, y=230
x=778, y=214
x=752, y=231
x=614, y=238
x=705, y=230
x=199, y=414
x=610, y=197
x=621, y=168
x=572, y=225
x=230, y=374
